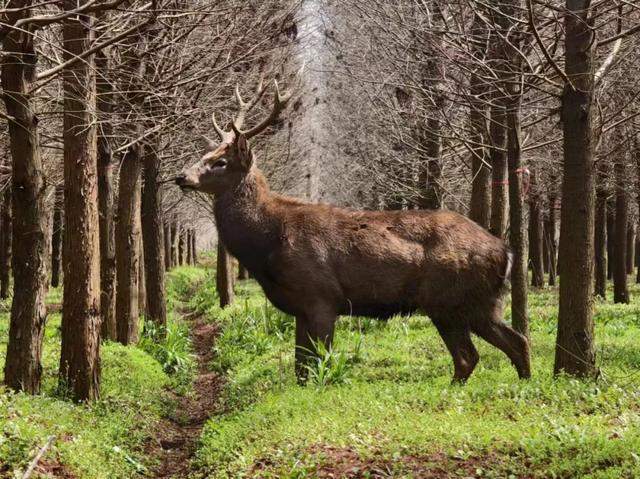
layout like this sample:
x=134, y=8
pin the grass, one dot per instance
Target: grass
x=109, y=438
x=393, y=408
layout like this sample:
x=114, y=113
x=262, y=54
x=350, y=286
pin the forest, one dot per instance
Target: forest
x=259, y=239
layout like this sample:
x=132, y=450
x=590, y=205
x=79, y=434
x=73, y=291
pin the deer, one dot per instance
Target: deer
x=317, y=262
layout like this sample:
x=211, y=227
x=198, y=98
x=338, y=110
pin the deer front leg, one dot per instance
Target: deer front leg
x=310, y=330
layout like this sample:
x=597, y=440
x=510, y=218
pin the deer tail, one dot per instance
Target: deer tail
x=505, y=278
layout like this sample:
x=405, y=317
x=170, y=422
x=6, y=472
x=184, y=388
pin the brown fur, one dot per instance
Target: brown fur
x=316, y=262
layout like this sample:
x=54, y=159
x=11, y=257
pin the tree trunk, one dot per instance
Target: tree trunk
x=480, y=208
x=517, y=232
x=601, y=243
x=536, y=239
x=142, y=285
x=499, y=182
x=552, y=230
x=243, y=273
x=224, y=276
x=106, y=202
x=128, y=247
x=631, y=248
x=194, y=248
x=56, y=237
x=620, y=287
x=80, y=353
x=7, y=231
x=611, y=235
x=546, y=258
x=152, y=234
x=167, y=245
x=182, y=249
x=575, y=353
x=175, y=227
x=430, y=167
x=188, y=239
x=22, y=370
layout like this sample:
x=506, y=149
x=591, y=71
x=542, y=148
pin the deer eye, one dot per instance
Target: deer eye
x=221, y=164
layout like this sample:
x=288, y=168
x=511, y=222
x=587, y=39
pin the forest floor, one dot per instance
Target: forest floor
x=218, y=398
x=381, y=404
x=178, y=435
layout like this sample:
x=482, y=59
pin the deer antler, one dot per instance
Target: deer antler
x=244, y=108
x=279, y=104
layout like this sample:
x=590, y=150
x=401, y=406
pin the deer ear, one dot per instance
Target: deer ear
x=244, y=152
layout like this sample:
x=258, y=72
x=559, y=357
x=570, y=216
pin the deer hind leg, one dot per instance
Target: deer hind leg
x=311, y=330
x=457, y=338
x=497, y=333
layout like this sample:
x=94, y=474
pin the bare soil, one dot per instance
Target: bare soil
x=345, y=463
x=178, y=436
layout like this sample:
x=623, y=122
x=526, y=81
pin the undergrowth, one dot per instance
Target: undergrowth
x=110, y=437
x=384, y=392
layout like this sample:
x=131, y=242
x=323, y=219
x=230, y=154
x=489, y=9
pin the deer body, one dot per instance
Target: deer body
x=317, y=262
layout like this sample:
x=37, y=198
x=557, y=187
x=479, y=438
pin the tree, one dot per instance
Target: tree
x=22, y=369
x=106, y=199
x=575, y=352
x=620, y=287
x=152, y=236
x=128, y=246
x=80, y=352
x=56, y=236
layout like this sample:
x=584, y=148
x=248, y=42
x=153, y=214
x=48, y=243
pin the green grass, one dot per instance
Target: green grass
x=395, y=405
x=111, y=437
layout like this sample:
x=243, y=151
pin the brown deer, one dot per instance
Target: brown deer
x=317, y=261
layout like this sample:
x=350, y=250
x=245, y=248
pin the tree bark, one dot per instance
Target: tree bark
x=601, y=243
x=611, y=235
x=224, y=276
x=552, y=232
x=631, y=247
x=517, y=232
x=194, y=247
x=536, y=239
x=175, y=227
x=80, y=352
x=128, y=247
x=243, y=273
x=56, y=236
x=499, y=182
x=480, y=208
x=152, y=234
x=7, y=231
x=575, y=354
x=620, y=287
x=181, y=245
x=430, y=167
x=167, y=245
x=106, y=202
x=22, y=371
x=188, y=239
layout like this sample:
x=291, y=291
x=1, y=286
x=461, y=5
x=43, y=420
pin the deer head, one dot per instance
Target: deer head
x=226, y=163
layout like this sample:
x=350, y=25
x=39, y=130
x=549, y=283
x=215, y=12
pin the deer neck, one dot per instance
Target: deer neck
x=245, y=226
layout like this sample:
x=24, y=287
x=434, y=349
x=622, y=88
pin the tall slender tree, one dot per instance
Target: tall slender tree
x=80, y=352
x=575, y=353
x=29, y=233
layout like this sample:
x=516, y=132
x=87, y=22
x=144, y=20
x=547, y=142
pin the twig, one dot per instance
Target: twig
x=32, y=467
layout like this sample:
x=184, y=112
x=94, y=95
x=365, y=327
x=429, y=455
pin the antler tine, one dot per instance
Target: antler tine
x=216, y=127
x=246, y=107
x=279, y=104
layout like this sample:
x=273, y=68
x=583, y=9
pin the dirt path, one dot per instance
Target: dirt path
x=178, y=436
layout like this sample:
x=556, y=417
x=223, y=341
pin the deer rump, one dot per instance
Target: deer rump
x=377, y=264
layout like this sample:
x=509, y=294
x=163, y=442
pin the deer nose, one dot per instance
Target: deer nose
x=181, y=179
